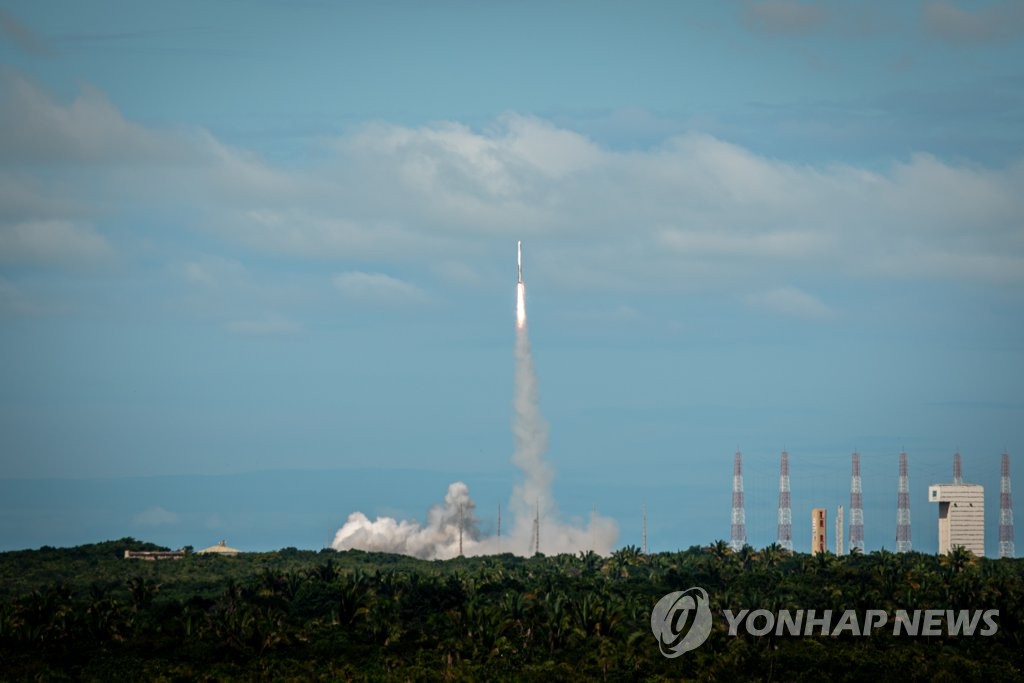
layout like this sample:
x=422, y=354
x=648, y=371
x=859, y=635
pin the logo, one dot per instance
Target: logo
x=681, y=621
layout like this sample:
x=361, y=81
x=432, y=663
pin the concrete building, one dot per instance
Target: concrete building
x=819, y=533
x=154, y=555
x=961, y=516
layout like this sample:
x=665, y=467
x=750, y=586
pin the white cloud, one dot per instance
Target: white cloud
x=155, y=516
x=790, y=301
x=90, y=129
x=781, y=244
x=52, y=242
x=378, y=288
x=234, y=174
x=296, y=232
x=23, y=198
x=694, y=212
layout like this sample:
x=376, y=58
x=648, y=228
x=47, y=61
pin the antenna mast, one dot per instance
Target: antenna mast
x=785, y=530
x=839, y=531
x=903, y=544
x=645, y=528
x=1006, y=548
x=536, y=531
x=739, y=520
x=856, y=506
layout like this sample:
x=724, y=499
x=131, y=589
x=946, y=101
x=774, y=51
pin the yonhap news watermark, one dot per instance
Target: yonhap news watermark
x=682, y=621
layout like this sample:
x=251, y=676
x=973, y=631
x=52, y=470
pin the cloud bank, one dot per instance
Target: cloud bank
x=691, y=213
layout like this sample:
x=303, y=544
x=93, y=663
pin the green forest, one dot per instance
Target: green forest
x=86, y=613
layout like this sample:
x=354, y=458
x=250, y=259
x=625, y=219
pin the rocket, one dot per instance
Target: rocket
x=519, y=259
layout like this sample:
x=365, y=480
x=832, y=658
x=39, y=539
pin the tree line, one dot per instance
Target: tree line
x=86, y=613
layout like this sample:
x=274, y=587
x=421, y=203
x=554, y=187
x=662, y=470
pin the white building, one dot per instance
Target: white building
x=961, y=516
x=221, y=548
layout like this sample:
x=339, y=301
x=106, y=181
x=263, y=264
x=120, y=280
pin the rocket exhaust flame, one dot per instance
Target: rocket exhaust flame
x=452, y=528
x=520, y=306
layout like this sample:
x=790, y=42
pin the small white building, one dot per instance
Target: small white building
x=961, y=516
x=221, y=548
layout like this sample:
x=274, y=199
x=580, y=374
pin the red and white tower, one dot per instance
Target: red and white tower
x=1005, y=510
x=903, y=508
x=739, y=520
x=785, y=533
x=856, y=507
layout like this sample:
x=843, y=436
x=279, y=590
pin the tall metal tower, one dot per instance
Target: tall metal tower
x=535, y=536
x=856, y=507
x=739, y=519
x=784, y=536
x=903, y=508
x=1005, y=510
x=958, y=472
x=839, y=531
x=645, y=528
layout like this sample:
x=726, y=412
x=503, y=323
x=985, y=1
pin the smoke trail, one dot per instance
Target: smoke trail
x=532, y=498
x=529, y=428
x=533, y=508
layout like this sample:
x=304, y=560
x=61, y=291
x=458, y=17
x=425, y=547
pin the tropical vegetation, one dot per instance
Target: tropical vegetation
x=86, y=613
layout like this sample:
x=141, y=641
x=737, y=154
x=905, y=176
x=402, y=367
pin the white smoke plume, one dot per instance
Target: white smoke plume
x=535, y=519
x=532, y=498
x=438, y=539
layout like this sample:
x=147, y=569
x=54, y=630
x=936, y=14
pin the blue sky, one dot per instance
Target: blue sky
x=265, y=237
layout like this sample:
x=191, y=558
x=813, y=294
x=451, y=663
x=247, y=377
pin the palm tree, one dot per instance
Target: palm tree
x=558, y=621
x=772, y=555
x=326, y=572
x=142, y=591
x=721, y=550
x=746, y=557
x=958, y=560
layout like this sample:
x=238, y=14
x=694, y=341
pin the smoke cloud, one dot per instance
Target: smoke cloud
x=536, y=523
x=439, y=538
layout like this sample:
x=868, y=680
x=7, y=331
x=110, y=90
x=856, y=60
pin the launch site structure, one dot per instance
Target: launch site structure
x=961, y=513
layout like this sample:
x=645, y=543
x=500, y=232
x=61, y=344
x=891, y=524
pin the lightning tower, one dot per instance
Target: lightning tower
x=856, y=507
x=784, y=537
x=645, y=528
x=536, y=531
x=839, y=531
x=958, y=473
x=1005, y=510
x=739, y=520
x=903, y=508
